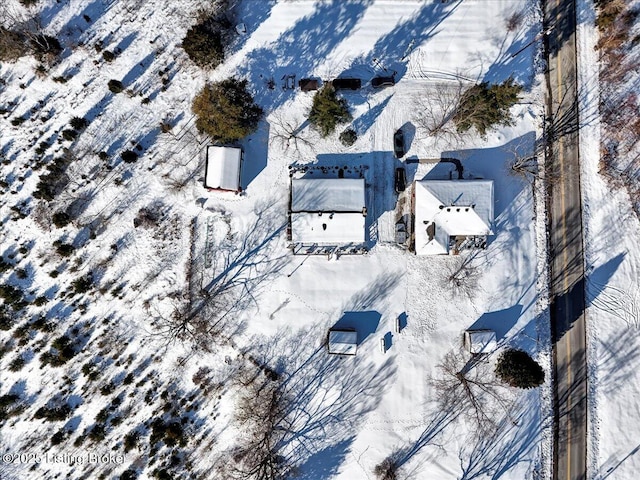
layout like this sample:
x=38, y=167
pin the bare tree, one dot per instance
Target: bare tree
x=262, y=413
x=462, y=276
x=436, y=109
x=289, y=133
x=470, y=384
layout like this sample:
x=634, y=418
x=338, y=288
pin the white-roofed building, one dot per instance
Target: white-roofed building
x=328, y=212
x=452, y=214
x=343, y=342
x=480, y=341
x=222, y=168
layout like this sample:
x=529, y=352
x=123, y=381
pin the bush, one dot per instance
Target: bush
x=483, y=106
x=129, y=474
x=69, y=134
x=29, y=3
x=518, y=369
x=79, y=123
x=115, y=86
x=348, y=137
x=13, y=45
x=54, y=414
x=328, y=110
x=226, y=111
x=129, y=156
x=61, y=219
x=386, y=470
x=171, y=433
x=65, y=249
x=11, y=295
x=82, y=285
x=204, y=46
x=131, y=440
x=45, y=45
x=108, y=55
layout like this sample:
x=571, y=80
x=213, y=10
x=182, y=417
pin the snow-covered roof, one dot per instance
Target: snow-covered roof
x=222, y=170
x=343, y=342
x=328, y=228
x=327, y=195
x=446, y=208
x=480, y=341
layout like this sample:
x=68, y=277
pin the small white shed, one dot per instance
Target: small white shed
x=480, y=341
x=222, y=168
x=343, y=342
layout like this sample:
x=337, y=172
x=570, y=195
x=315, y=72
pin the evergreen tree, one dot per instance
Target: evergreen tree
x=203, y=43
x=483, y=106
x=518, y=369
x=328, y=110
x=226, y=110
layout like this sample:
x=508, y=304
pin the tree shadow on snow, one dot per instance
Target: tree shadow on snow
x=330, y=397
x=300, y=49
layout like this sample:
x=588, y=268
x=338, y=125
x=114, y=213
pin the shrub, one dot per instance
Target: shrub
x=13, y=45
x=54, y=414
x=115, y=86
x=45, y=45
x=386, y=470
x=83, y=284
x=79, y=123
x=16, y=122
x=518, y=369
x=65, y=249
x=348, y=137
x=328, y=110
x=98, y=432
x=6, y=319
x=69, y=134
x=226, y=111
x=131, y=440
x=61, y=219
x=29, y=3
x=483, y=106
x=129, y=474
x=129, y=156
x=10, y=294
x=17, y=364
x=58, y=437
x=171, y=433
x=108, y=55
x=63, y=352
x=204, y=46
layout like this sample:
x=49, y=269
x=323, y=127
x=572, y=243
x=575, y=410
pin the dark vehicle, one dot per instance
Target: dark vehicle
x=401, y=180
x=379, y=82
x=398, y=144
x=347, y=83
x=308, y=84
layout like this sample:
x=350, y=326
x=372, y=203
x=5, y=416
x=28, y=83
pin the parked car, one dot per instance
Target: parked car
x=379, y=82
x=401, y=233
x=347, y=83
x=400, y=180
x=398, y=144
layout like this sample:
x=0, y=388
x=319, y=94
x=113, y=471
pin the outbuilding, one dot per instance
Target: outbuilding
x=343, y=342
x=481, y=341
x=223, y=168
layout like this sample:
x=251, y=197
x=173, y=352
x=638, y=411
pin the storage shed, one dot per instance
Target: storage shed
x=222, y=168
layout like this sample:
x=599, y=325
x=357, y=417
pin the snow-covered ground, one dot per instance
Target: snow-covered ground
x=357, y=411
x=613, y=313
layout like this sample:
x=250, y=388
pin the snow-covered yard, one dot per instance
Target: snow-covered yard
x=349, y=413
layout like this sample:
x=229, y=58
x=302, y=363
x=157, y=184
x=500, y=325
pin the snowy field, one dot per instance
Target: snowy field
x=351, y=412
x=613, y=298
